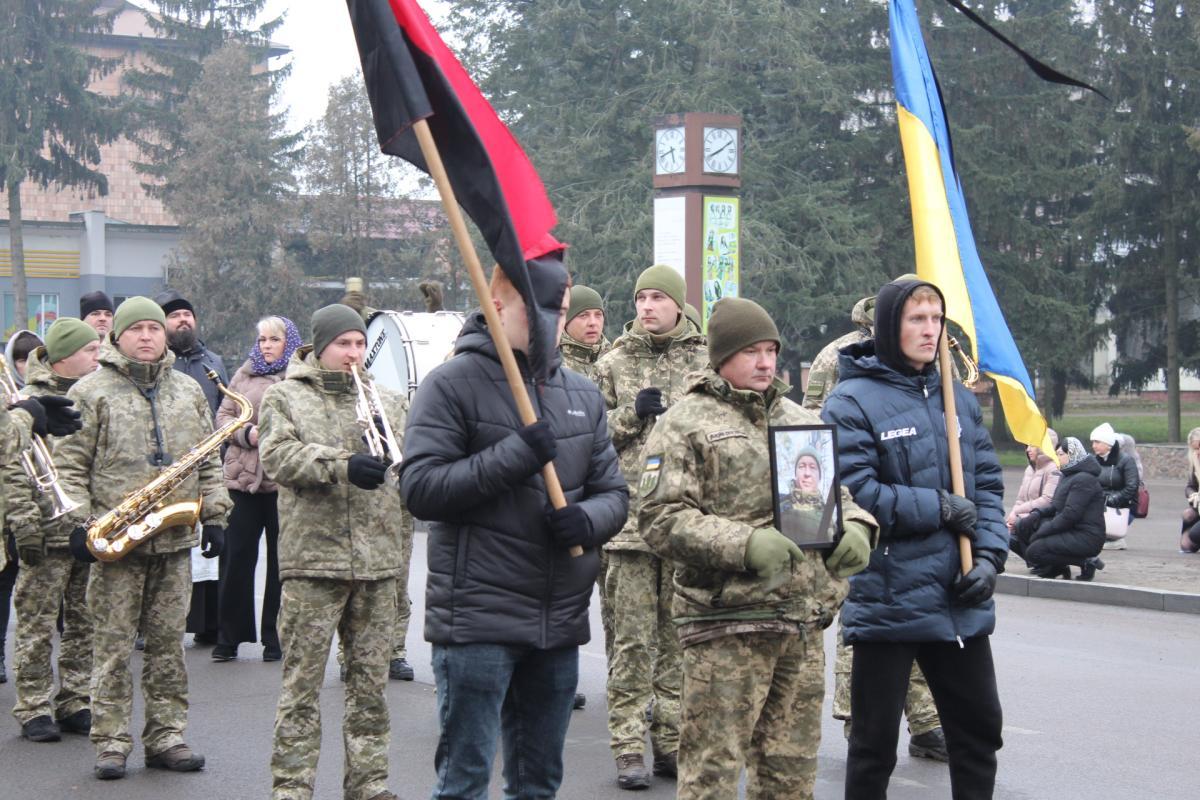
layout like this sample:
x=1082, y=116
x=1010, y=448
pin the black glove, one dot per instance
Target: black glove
x=61, y=417
x=37, y=412
x=958, y=514
x=365, y=472
x=648, y=403
x=79, y=547
x=30, y=554
x=977, y=585
x=212, y=541
x=1028, y=524
x=570, y=526
x=541, y=440
x=1111, y=499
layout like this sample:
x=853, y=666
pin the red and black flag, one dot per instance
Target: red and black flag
x=412, y=75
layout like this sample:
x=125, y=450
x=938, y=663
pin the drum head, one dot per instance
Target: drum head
x=404, y=346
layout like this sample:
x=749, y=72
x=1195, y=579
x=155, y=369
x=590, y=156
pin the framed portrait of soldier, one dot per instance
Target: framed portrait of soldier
x=804, y=483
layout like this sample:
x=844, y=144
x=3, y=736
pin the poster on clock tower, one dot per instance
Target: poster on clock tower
x=720, y=251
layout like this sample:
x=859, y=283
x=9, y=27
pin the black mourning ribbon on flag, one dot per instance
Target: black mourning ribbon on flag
x=1040, y=68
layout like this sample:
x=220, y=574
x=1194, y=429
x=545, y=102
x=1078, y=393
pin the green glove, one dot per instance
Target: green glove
x=853, y=551
x=30, y=555
x=769, y=551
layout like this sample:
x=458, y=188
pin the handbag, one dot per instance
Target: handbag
x=1116, y=523
x=1141, y=509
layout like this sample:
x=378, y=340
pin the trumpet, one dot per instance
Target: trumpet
x=381, y=440
x=35, y=459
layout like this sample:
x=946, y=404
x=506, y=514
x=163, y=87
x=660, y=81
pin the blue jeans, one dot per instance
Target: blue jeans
x=486, y=689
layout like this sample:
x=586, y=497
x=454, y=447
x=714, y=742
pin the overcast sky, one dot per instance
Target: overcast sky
x=323, y=50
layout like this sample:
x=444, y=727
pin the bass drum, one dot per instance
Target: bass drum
x=403, y=346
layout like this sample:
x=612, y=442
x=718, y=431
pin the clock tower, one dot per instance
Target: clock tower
x=697, y=222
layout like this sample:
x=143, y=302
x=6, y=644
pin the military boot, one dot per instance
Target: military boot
x=179, y=758
x=79, y=722
x=631, y=771
x=666, y=765
x=400, y=670
x=930, y=744
x=41, y=729
x=579, y=702
x=110, y=766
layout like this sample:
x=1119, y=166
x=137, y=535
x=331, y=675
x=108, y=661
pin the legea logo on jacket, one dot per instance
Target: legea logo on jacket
x=897, y=433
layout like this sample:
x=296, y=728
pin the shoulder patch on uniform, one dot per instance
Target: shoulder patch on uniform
x=815, y=388
x=650, y=472
x=731, y=433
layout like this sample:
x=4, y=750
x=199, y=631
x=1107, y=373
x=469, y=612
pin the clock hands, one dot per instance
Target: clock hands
x=719, y=149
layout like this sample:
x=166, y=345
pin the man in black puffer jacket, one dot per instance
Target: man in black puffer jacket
x=912, y=602
x=506, y=606
x=1071, y=530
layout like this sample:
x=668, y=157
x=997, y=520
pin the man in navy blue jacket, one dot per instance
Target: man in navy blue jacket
x=912, y=601
x=506, y=605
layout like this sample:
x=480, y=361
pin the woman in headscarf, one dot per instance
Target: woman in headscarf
x=1189, y=541
x=1071, y=530
x=1118, y=477
x=253, y=496
x=1037, y=484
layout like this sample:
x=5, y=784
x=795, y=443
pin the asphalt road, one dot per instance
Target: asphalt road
x=1100, y=703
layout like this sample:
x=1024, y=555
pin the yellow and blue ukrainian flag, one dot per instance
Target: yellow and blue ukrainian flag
x=945, y=247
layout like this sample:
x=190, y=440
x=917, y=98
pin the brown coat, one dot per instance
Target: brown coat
x=243, y=472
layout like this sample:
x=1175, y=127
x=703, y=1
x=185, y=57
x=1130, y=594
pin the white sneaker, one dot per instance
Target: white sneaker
x=1116, y=544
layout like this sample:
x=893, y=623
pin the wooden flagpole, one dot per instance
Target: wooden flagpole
x=512, y=373
x=953, y=445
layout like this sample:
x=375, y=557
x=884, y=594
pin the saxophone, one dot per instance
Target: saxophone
x=144, y=514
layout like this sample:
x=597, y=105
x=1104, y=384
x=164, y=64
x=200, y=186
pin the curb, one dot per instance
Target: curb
x=1104, y=594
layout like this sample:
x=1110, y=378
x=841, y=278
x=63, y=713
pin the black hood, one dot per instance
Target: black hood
x=1089, y=465
x=889, y=304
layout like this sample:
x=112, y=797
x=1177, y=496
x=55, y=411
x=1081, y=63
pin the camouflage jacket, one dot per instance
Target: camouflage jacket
x=823, y=374
x=635, y=363
x=328, y=527
x=14, y=437
x=28, y=509
x=582, y=357
x=115, y=452
x=705, y=487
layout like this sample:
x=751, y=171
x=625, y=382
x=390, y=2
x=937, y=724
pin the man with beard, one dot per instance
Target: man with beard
x=194, y=359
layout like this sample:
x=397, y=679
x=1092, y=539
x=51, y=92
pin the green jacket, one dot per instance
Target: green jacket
x=637, y=362
x=14, y=437
x=328, y=528
x=30, y=510
x=582, y=357
x=115, y=452
x=711, y=489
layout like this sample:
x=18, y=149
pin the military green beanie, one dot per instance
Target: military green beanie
x=66, y=336
x=736, y=323
x=665, y=279
x=330, y=322
x=693, y=314
x=134, y=310
x=583, y=298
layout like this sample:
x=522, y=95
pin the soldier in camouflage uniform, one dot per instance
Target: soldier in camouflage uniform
x=640, y=378
x=140, y=416
x=750, y=605
x=583, y=341
x=339, y=558
x=49, y=576
x=925, y=728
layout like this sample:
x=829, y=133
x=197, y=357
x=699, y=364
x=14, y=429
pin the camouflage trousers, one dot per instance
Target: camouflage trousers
x=59, y=578
x=643, y=663
x=403, y=602
x=362, y=612
x=149, y=593
x=606, y=621
x=752, y=700
x=918, y=702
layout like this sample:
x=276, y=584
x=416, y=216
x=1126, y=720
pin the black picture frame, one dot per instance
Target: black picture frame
x=788, y=444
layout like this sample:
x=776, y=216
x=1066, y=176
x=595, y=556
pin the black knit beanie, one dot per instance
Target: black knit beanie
x=95, y=301
x=736, y=323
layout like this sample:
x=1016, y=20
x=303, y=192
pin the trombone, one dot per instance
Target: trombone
x=35, y=459
x=381, y=440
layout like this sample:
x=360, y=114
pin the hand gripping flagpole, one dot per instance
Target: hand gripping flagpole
x=957, y=483
x=512, y=373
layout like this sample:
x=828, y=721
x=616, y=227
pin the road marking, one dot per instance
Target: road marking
x=1020, y=731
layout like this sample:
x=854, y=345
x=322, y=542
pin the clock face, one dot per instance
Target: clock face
x=668, y=151
x=721, y=150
